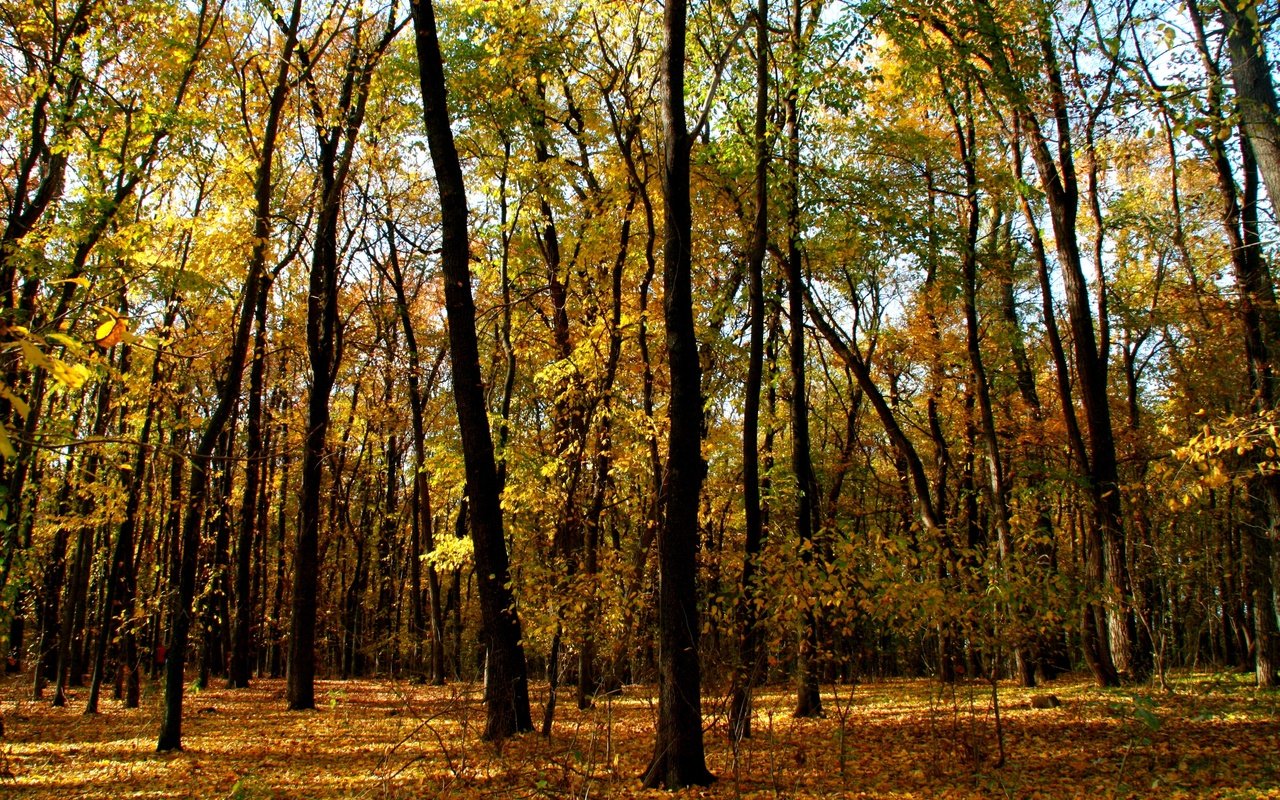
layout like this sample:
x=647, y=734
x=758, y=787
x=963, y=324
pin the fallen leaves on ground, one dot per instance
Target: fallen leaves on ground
x=1212, y=736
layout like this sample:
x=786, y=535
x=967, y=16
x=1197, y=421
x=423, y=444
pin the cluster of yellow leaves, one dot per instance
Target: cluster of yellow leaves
x=1235, y=449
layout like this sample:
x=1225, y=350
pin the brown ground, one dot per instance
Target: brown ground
x=1214, y=736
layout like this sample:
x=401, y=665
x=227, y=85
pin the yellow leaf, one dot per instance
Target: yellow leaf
x=19, y=405
x=109, y=333
x=6, y=447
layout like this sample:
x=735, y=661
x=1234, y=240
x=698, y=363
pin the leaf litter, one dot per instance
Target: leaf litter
x=1213, y=736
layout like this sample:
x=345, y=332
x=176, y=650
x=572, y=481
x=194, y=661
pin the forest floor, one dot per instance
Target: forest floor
x=1213, y=735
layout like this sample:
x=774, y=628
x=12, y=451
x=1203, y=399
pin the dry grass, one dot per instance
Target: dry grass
x=1214, y=736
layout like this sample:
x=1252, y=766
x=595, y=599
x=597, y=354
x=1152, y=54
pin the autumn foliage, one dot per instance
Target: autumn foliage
x=848, y=370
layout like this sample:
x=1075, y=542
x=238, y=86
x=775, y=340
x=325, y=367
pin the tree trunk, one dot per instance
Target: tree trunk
x=337, y=130
x=175, y=664
x=808, y=699
x=678, y=756
x=421, y=523
x=506, y=691
x=248, y=532
x=750, y=667
x=1255, y=92
x=322, y=321
x=122, y=576
x=75, y=599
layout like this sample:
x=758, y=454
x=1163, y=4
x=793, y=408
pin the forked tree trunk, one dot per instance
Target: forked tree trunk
x=337, y=129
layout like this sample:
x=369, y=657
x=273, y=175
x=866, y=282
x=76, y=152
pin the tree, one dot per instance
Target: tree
x=338, y=130
x=678, y=757
x=506, y=684
x=1254, y=88
x=187, y=546
x=750, y=662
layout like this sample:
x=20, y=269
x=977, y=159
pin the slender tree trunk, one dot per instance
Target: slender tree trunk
x=808, y=699
x=248, y=531
x=51, y=593
x=1096, y=647
x=214, y=605
x=75, y=598
x=1053, y=156
x=507, y=691
x=122, y=573
x=1259, y=318
x=422, y=523
x=678, y=756
x=175, y=665
x=750, y=667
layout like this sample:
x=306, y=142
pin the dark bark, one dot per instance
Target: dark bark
x=75, y=597
x=51, y=596
x=73, y=600
x=1259, y=318
x=1062, y=193
x=248, y=530
x=1096, y=648
x=214, y=605
x=678, y=756
x=122, y=578
x=750, y=667
x=337, y=130
x=322, y=322
x=568, y=424
x=506, y=691
x=421, y=529
x=808, y=699
x=912, y=466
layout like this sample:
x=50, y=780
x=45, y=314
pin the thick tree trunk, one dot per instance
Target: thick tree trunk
x=1255, y=92
x=337, y=129
x=322, y=321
